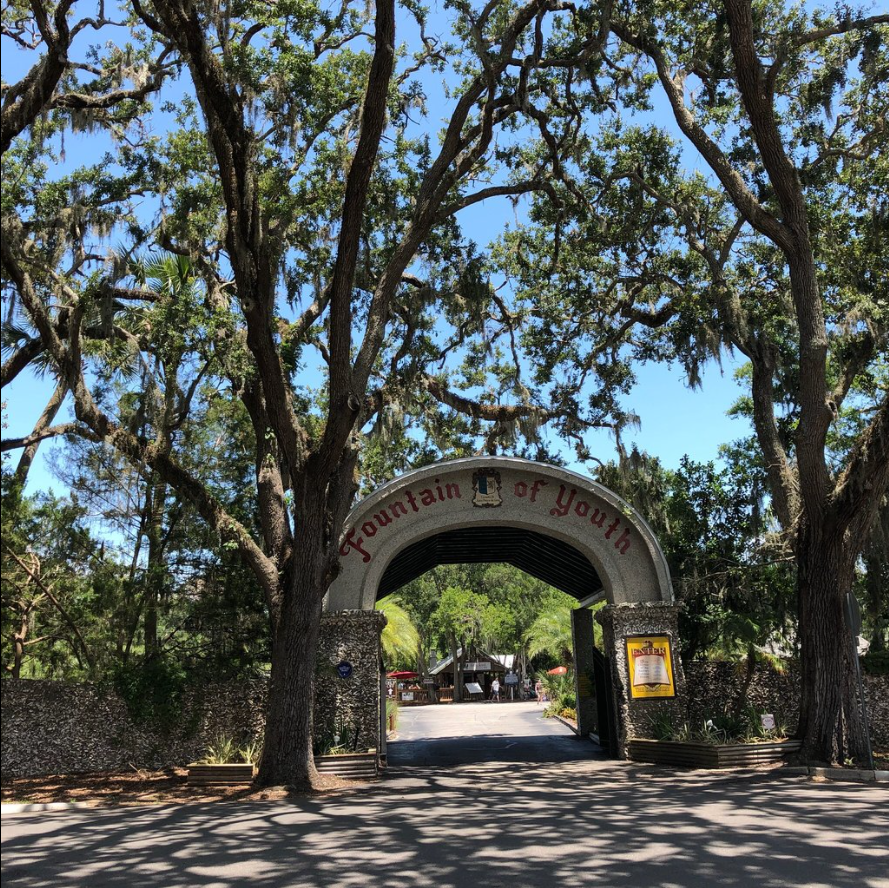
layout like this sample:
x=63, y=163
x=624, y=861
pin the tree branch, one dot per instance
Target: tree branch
x=741, y=195
x=18, y=360
x=67, y=428
x=862, y=486
x=25, y=100
x=35, y=577
x=43, y=423
x=344, y=404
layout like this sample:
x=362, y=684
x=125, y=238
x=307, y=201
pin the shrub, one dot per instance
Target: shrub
x=251, y=751
x=875, y=663
x=225, y=750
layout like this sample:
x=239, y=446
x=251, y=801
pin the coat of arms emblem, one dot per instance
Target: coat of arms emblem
x=486, y=488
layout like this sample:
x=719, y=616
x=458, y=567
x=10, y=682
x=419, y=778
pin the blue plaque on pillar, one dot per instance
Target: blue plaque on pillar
x=344, y=669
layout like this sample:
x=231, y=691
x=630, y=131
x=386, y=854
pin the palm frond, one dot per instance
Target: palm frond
x=400, y=638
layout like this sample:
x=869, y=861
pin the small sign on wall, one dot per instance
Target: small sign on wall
x=344, y=669
x=650, y=662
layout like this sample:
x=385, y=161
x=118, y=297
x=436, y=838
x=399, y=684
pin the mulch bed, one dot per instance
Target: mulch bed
x=168, y=787
x=139, y=787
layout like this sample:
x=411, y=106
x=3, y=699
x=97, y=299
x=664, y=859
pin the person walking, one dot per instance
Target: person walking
x=538, y=690
x=495, y=690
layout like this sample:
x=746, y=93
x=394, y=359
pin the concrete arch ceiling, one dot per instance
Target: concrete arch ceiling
x=555, y=524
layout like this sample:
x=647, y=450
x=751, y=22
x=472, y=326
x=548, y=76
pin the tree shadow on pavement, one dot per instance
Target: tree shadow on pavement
x=492, y=824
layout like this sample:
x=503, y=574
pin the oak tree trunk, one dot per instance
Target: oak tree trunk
x=830, y=726
x=287, y=748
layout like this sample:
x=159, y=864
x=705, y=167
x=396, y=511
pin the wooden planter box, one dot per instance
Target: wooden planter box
x=354, y=766
x=201, y=774
x=705, y=755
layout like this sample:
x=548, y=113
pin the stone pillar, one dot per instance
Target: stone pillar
x=584, y=688
x=350, y=639
x=620, y=622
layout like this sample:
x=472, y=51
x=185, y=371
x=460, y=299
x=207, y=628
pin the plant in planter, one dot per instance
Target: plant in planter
x=337, y=752
x=718, y=742
x=226, y=762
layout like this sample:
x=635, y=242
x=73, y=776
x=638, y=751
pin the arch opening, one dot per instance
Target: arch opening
x=546, y=558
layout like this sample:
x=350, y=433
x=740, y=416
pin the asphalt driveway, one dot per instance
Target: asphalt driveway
x=485, y=824
x=464, y=734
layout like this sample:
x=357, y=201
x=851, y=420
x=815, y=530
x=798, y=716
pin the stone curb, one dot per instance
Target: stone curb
x=848, y=774
x=32, y=807
x=567, y=724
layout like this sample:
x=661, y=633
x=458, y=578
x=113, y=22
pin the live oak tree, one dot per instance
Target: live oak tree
x=321, y=220
x=776, y=250
x=321, y=223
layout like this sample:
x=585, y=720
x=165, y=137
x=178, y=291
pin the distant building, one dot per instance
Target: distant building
x=478, y=666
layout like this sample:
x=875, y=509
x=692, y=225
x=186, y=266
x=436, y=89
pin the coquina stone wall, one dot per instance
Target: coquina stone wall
x=60, y=727
x=712, y=688
x=353, y=638
x=51, y=727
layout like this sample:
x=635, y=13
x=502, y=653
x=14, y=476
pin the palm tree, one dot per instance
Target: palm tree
x=400, y=639
x=550, y=633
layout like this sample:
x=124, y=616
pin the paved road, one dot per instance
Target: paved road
x=536, y=824
x=445, y=736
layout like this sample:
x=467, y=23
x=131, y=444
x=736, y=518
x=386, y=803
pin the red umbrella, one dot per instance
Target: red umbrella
x=559, y=670
x=402, y=674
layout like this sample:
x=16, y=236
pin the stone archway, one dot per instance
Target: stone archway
x=551, y=522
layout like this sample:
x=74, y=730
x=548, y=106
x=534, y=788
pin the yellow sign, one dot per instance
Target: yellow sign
x=651, y=666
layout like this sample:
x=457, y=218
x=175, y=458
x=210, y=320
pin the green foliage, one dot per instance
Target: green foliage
x=251, y=751
x=719, y=730
x=551, y=632
x=58, y=586
x=225, y=750
x=466, y=616
x=733, y=576
x=875, y=663
x=339, y=737
x=515, y=601
x=155, y=692
x=400, y=639
x=221, y=751
x=560, y=694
